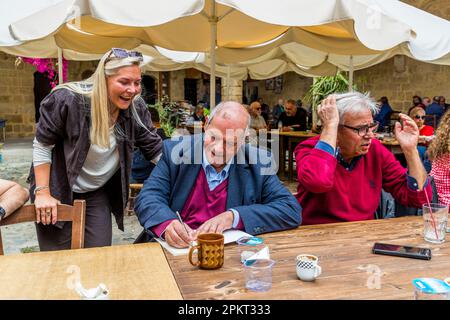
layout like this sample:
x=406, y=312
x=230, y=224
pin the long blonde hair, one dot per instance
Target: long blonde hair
x=440, y=146
x=95, y=88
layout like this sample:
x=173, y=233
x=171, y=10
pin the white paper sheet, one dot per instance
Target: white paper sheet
x=229, y=237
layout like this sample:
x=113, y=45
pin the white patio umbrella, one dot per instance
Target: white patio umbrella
x=343, y=27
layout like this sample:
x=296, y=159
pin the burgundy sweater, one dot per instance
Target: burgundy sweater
x=328, y=192
x=201, y=205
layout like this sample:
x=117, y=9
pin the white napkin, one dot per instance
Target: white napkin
x=262, y=254
x=98, y=293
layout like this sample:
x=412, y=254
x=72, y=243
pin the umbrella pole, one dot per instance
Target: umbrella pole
x=228, y=83
x=60, y=67
x=212, y=85
x=350, y=75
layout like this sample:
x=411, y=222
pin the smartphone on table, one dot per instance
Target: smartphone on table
x=402, y=251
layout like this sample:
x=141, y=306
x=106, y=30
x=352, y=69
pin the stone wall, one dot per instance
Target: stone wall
x=294, y=87
x=400, y=78
x=16, y=97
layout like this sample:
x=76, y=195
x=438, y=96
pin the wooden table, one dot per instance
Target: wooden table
x=344, y=252
x=129, y=272
x=288, y=141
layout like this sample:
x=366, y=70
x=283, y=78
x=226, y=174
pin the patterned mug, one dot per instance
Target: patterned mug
x=210, y=248
x=307, y=267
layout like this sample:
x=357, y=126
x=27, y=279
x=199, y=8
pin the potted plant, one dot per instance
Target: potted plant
x=324, y=86
x=172, y=115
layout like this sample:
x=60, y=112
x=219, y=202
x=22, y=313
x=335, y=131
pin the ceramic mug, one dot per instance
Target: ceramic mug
x=307, y=267
x=210, y=248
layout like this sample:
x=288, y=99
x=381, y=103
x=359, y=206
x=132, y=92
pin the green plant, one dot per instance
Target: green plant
x=324, y=86
x=171, y=115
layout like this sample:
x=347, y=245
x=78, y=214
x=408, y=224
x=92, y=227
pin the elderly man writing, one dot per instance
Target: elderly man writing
x=342, y=171
x=216, y=182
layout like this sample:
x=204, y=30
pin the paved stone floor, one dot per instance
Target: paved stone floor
x=21, y=238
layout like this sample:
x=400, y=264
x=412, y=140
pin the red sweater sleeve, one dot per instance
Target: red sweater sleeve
x=315, y=168
x=395, y=182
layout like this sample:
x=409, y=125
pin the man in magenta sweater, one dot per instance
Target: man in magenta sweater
x=216, y=182
x=342, y=171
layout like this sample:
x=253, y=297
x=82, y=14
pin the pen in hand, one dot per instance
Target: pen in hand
x=184, y=225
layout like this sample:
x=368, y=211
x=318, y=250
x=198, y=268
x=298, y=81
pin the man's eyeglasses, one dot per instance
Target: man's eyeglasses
x=420, y=117
x=122, y=53
x=363, y=130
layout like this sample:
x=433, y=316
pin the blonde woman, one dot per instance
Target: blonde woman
x=418, y=115
x=83, y=149
x=439, y=153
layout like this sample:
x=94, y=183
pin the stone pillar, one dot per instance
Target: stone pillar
x=235, y=90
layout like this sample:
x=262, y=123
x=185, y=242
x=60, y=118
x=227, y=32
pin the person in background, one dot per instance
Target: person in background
x=265, y=109
x=83, y=149
x=277, y=110
x=425, y=135
x=439, y=154
x=418, y=115
x=215, y=185
x=443, y=104
x=426, y=101
x=384, y=114
x=197, y=116
x=341, y=172
x=141, y=168
x=12, y=197
x=434, y=109
x=417, y=102
x=257, y=122
x=293, y=118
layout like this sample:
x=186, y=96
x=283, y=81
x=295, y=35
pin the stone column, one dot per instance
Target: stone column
x=235, y=90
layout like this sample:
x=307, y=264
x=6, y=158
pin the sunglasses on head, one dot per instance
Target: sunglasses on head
x=122, y=53
x=420, y=117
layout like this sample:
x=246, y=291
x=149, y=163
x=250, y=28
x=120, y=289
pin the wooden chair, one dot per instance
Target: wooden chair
x=135, y=188
x=76, y=214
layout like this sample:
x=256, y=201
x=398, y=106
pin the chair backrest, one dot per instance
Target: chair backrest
x=76, y=214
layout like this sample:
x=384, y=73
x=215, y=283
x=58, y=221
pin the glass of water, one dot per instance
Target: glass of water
x=258, y=274
x=435, y=218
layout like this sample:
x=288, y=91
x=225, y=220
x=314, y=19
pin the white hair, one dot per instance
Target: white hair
x=354, y=102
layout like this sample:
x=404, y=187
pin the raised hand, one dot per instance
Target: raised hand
x=328, y=112
x=407, y=134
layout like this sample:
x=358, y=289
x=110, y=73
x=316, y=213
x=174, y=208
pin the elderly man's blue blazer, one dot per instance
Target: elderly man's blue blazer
x=263, y=203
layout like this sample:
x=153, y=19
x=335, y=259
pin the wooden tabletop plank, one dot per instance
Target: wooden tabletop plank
x=344, y=252
x=129, y=272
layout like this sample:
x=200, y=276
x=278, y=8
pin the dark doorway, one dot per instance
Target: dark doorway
x=148, y=89
x=190, y=90
x=42, y=88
